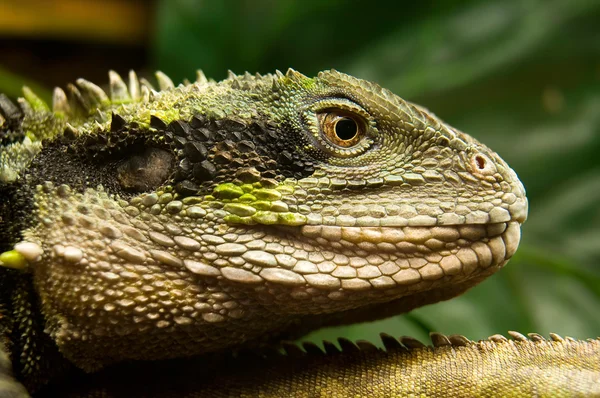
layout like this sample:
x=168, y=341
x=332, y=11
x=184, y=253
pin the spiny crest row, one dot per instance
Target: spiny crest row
x=84, y=97
x=406, y=343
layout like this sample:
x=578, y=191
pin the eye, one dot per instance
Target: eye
x=342, y=128
x=339, y=127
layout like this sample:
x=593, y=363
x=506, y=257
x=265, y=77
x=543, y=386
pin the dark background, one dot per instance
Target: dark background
x=521, y=76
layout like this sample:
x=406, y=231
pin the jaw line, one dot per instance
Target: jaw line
x=408, y=257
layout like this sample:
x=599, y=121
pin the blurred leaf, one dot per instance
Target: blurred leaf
x=261, y=36
x=12, y=84
x=442, y=52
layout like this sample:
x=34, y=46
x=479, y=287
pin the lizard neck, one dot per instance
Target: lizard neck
x=35, y=357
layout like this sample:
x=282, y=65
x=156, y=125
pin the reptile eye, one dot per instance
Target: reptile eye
x=342, y=128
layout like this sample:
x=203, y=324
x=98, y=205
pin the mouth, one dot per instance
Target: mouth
x=408, y=255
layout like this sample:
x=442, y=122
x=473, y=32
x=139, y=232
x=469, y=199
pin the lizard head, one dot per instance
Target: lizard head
x=190, y=219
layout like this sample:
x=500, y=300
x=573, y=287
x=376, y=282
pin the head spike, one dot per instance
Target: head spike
x=101, y=116
x=37, y=104
x=156, y=123
x=134, y=86
x=145, y=93
x=25, y=105
x=92, y=92
x=366, y=346
x=147, y=84
x=152, y=95
x=275, y=84
x=347, y=346
x=8, y=109
x=231, y=75
x=556, y=337
x=458, y=340
x=77, y=103
x=497, y=338
x=279, y=74
x=117, y=122
x=164, y=82
x=235, y=83
x=292, y=350
x=323, y=73
x=60, y=104
x=312, y=349
x=71, y=131
x=201, y=77
x=330, y=348
x=389, y=342
x=411, y=342
x=294, y=75
x=118, y=88
x=536, y=337
x=439, y=340
x=517, y=336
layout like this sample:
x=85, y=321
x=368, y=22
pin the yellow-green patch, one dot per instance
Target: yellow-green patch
x=13, y=259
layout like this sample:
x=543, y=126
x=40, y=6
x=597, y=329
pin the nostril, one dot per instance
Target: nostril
x=481, y=164
x=480, y=161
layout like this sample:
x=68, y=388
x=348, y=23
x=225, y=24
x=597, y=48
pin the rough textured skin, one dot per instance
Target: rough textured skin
x=454, y=368
x=150, y=225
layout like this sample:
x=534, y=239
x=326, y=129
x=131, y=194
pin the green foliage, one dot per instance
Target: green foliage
x=521, y=76
x=12, y=85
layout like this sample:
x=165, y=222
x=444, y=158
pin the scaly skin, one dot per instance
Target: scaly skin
x=212, y=216
x=454, y=367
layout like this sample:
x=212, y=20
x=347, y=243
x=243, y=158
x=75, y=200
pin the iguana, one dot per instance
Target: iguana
x=214, y=217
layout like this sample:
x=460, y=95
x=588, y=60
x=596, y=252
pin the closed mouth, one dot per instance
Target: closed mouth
x=407, y=255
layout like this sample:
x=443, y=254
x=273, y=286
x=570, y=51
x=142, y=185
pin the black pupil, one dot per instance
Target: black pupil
x=346, y=129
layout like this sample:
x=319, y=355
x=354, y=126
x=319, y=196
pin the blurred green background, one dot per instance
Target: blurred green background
x=521, y=76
